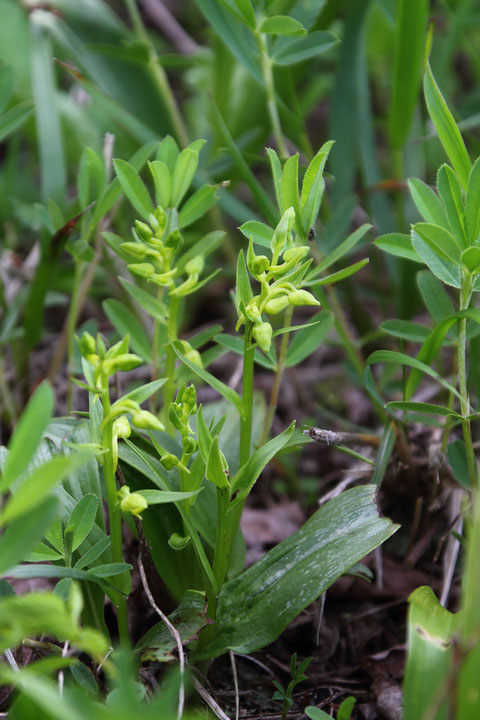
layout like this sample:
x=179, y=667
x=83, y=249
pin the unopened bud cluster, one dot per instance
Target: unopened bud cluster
x=154, y=254
x=280, y=278
x=107, y=362
x=180, y=410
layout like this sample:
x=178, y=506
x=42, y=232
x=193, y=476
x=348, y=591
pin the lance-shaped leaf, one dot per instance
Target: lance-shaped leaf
x=450, y=191
x=427, y=201
x=447, y=130
x=248, y=474
x=133, y=187
x=255, y=607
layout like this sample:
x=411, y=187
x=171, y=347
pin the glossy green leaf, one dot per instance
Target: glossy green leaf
x=398, y=244
x=451, y=194
x=339, y=275
x=306, y=341
x=113, y=191
x=157, y=497
x=446, y=128
x=248, y=474
x=430, y=659
x=156, y=308
x=126, y=323
x=289, y=185
x=470, y=259
x=255, y=607
x=389, y=356
x=276, y=168
x=134, y=187
x=93, y=553
x=197, y=205
x=162, y=181
x=282, y=25
x=215, y=470
x=411, y=27
x=428, y=203
x=260, y=233
x=440, y=241
x=434, y=296
x=23, y=534
x=243, y=288
x=341, y=250
x=144, y=392
x=446, y=271
x=406, y=330
x=81, y=519
x=313, y=187
x=185, y=169
x=38, y=483
x=189, y=618
x=27, y=435
x=304, y=48
x=472, y=204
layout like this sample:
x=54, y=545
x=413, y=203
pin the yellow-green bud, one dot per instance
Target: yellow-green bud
x=123, y=363
x=143, y=270
x=121, y=427
x=262, y=333
x=143, y=230
x=259, y=265
x=302, y=297
x=280, y=235
x=158, y=221
x=296, y=253
x=276, y=305
x=194, y=357
x=133, y=503
x=135, y=249
x=253, y=313
x=174, y=242
x=189, y=445
x=88, y=348
x=145, y=420
x=169, y=461
x=195, y=265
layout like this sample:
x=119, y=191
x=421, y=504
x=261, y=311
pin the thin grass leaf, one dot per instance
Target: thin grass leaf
x=345, y=247
x=411, y=26
x=14, y=118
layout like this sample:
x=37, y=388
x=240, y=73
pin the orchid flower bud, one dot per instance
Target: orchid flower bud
x=143, y=230
x=131, y=503
x=143, y=270
x=302, y=297
x=195, y=265
x=280, y=235
x=145, y=420
x=262, y=333
x=276, y=305
x=169, y=461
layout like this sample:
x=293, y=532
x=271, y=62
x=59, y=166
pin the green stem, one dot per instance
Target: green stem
x=159, y=75
x=223, y=538
x=465, y=297
x=114, y=513
x=278, y=376
x=267, y=72
x=71, y=325
x=170, y=359
x=247, y=395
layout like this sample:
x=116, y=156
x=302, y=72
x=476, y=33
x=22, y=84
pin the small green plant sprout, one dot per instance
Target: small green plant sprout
x=297, y=675
x=158, y=257
x=447, y=242
x=344, y=711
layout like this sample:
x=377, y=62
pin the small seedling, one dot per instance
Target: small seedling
x=297, y=675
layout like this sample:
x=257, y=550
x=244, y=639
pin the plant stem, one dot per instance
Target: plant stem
x=465, y=296
x=278, y=376
x=267, y=72
x=170, y=358
x=223, y=538
x=114, y=514
x=159, y=75
x=247, y=396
